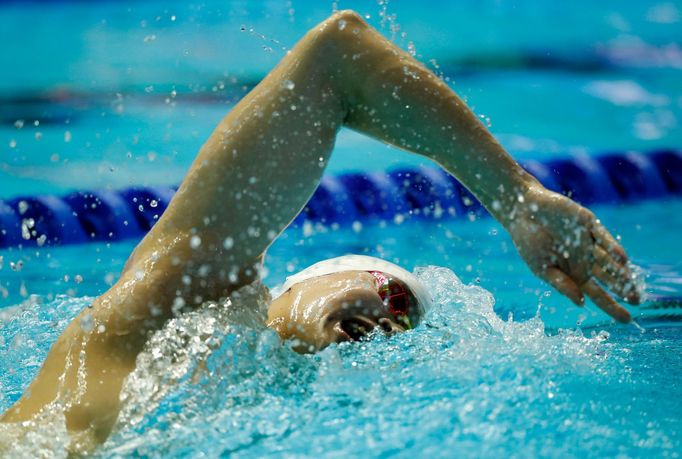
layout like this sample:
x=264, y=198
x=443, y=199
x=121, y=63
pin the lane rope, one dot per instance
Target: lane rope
x=425, y=192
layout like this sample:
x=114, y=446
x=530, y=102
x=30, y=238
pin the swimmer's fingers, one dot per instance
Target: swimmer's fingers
x=605, y=302
x=616, y=275
x=563, y=283
x=608, y=243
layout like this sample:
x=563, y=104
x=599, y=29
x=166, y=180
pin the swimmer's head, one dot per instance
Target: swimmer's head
x=344, y=299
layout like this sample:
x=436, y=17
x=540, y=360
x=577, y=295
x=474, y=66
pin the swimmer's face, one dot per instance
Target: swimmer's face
x=344, y=306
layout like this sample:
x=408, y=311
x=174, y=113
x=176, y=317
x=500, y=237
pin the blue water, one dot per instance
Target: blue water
x=112, y=94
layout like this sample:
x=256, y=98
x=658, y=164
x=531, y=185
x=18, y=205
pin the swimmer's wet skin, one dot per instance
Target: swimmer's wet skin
x=255, y=173
x=344, y=299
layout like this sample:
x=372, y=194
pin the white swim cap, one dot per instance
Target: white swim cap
x=360, y=263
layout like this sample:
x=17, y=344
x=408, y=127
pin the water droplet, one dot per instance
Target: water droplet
x=23, y=207
x=153, y=203
x=16, y=266
x=67, y=136
x=307, y=229
x=228, y=243
x=87, y=323
x=78, y=278
x=342, y=24
x=195, y=242
x=288, y=84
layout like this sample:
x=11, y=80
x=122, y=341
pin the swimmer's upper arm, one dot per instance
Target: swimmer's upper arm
x=87, y=365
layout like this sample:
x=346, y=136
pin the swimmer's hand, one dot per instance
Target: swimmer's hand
x=566, y=245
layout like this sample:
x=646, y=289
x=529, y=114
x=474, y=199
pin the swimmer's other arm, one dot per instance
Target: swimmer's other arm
x=391, y=96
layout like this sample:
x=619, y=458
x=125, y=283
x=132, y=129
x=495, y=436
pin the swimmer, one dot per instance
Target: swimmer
x=253, y=176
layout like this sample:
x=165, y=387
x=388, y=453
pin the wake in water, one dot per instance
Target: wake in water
x=463, y=380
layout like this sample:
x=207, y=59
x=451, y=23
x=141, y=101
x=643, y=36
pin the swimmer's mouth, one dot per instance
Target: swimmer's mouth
x=358, y=328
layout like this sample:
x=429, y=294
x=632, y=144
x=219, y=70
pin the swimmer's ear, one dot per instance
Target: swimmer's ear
x=564, y=284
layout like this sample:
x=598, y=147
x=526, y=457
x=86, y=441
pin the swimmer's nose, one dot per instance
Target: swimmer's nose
x=356, y=328
x=389, y=327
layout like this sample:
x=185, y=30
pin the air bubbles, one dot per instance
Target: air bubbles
x=342, y=24
x=288, y=84
x=153, y=203
x=228, y=243
x=67, y=136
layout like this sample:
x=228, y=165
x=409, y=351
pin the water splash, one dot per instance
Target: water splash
x=463, y=380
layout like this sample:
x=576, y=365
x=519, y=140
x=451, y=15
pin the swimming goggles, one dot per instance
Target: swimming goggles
x=400, y=301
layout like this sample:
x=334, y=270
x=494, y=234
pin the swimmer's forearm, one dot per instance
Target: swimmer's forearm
x=393, y=97
x=498, y=181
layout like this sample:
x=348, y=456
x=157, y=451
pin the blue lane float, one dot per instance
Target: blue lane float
x=425, y=192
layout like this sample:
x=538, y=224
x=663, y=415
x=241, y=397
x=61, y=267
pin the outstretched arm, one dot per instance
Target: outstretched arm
x=255, y=173
x=393, y=97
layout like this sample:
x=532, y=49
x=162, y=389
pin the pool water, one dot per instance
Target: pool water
x=465, y=380
x=503, y=366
